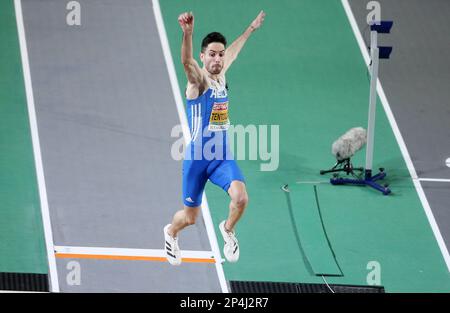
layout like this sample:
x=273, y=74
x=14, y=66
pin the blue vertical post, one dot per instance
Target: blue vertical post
x=376, y=53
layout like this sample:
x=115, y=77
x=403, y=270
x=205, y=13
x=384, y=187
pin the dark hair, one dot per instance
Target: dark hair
x=213, y=37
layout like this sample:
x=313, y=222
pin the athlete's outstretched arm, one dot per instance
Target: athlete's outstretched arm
x=191, y=67
x=233, y=50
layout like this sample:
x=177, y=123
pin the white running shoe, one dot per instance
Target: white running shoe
x=173, y=253
x=231, y=247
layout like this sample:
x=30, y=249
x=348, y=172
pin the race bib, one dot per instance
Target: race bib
x=219, y=117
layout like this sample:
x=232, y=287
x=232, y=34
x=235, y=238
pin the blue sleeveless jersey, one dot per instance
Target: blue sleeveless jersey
x=208, y=156
x=208, y=120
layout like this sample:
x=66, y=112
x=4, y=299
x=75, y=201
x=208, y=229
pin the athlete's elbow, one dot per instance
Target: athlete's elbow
x=187, y=62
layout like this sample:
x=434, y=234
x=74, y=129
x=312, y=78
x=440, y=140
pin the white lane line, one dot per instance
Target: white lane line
x=131, y=252
x=438, y=180
x=399, y=138
x=54, y=285
x=187, y=137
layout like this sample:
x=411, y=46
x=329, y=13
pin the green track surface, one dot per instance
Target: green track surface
x=308, y=225
x=303, y=71
x=22, y=244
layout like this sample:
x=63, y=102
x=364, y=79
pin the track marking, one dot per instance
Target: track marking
x=313, y=182
x=54, y=284
x=188, y=256
x=187, y=137
x=399, y=138
x=439, y=180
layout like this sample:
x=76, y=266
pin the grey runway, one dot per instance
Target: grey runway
x=416, y=81
x=136, y=276
x=105, y=112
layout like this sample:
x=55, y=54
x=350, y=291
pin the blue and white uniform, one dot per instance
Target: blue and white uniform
x=208, y=154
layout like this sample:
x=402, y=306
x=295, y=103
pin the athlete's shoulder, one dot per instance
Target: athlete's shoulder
x=193, y=92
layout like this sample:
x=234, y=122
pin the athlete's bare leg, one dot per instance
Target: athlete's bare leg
x=238, y=203
x=188, y=215
x=182, y=219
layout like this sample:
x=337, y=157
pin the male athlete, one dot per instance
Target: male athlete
x=207, y=112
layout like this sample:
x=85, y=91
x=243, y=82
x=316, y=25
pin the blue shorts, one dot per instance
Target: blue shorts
x=197, y=172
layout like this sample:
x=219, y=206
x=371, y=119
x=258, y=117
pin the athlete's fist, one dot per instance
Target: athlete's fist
x=186, y=21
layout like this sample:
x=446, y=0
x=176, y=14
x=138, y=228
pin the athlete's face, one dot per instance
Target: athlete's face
x=213, y=57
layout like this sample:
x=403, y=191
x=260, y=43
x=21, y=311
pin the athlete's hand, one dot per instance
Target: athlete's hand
x=186, y=21
x=258, y=21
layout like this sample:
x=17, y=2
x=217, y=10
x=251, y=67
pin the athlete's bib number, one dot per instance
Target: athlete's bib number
x=219, y=117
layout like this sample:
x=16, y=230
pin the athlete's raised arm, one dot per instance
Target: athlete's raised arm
x=233, y=50
x=192, y=69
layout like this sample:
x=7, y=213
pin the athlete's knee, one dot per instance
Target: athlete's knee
x=238, y=195
x=191, y=215
x=240, y=200
x=190, y=220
